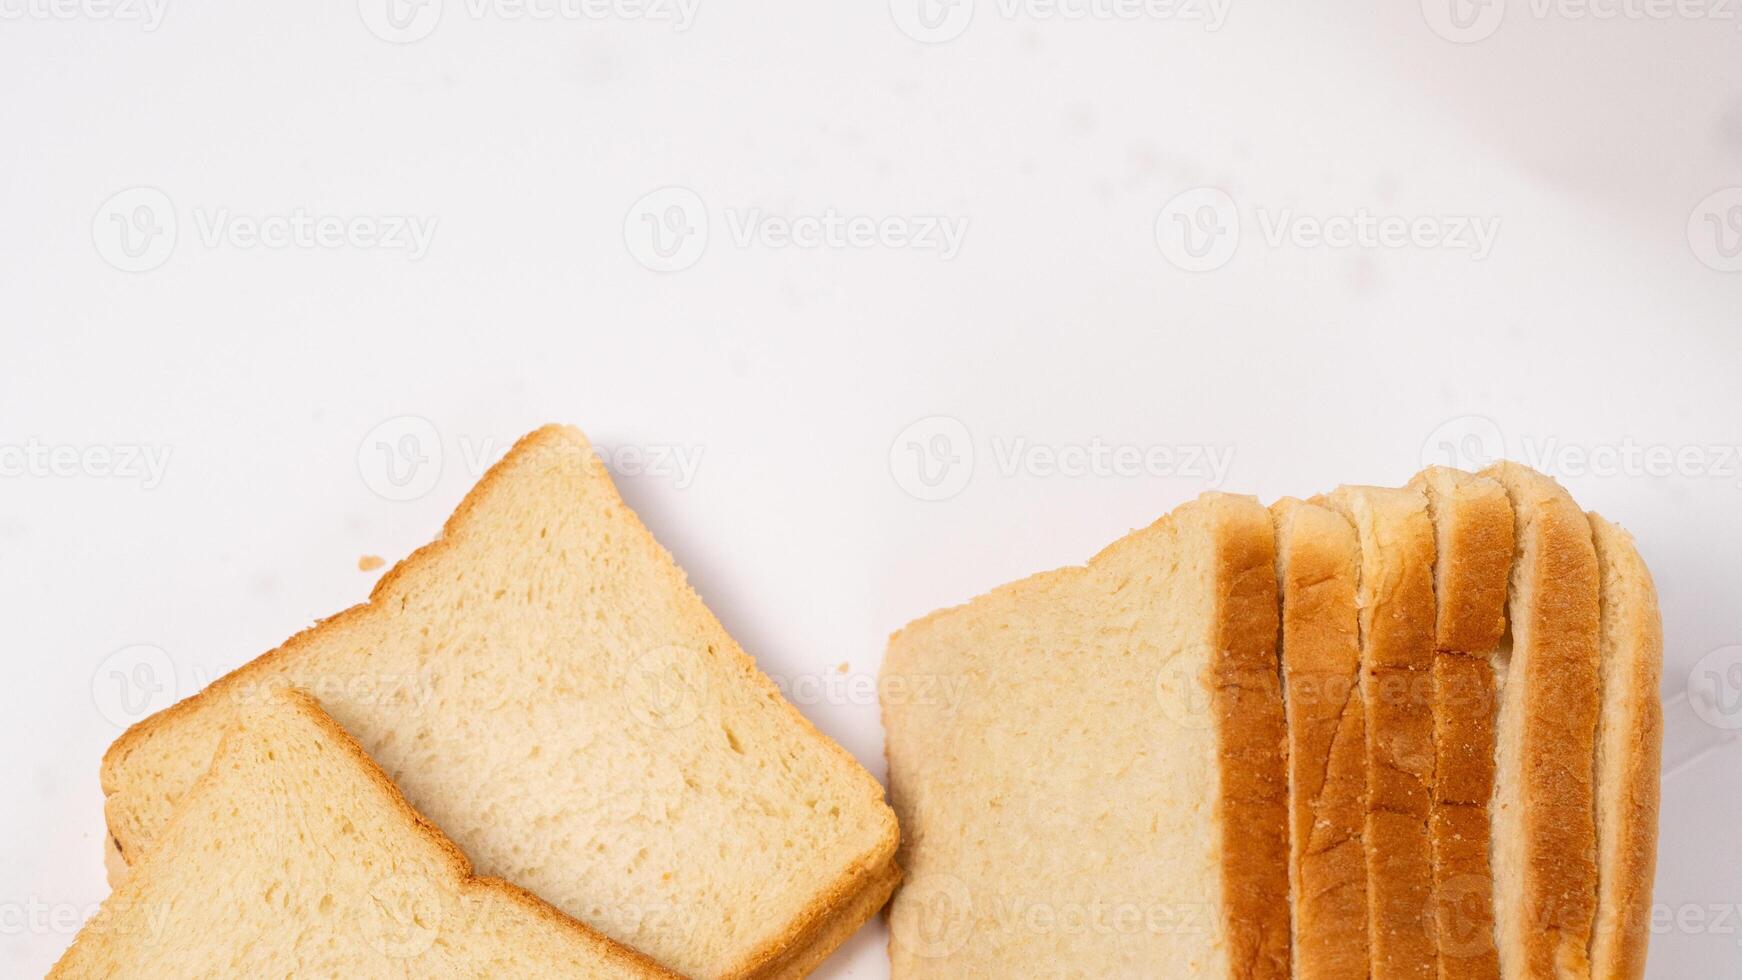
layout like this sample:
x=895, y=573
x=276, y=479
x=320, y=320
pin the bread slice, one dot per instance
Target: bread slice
x=294, y=855
x=546, y=687
x=1473, y=561
x=1088, y=765
x=1396, y=597
x=1544, y=827
x=1318, y=561
x=1629, y=755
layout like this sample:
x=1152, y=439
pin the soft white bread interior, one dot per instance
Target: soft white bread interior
x=546, y=687
x=1396, y=596
x=1318, y=560
x=1088, y=765
x=1473, y=562
x=296, y=856
x=1629, y=756
x=1544, y=843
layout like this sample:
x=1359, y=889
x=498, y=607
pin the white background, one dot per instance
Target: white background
x=1596, y=322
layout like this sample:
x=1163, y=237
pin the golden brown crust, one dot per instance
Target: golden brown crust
x=1247, y=701
x=800, y=960
x=1554, y=683
x=1397, y=642
x=130, y=835
x=1318, y=563
x=1628, y=784
x=1473, y=527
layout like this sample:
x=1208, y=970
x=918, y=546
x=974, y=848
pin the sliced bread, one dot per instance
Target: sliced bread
x=1473, y=561
x=1629, y=756
x=1318, y=560
x=1100, y=789
x=1396, y=596
x=1544, y=843
x=295, y=855
x=546, y=687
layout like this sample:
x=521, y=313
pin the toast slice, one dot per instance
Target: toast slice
x=1473, y=561
x=1629, y=755
x=545, y=686
x=1543, y=818
x=295, y=855
x=1318, y=560
x=1089, y=765
x=1396, y=597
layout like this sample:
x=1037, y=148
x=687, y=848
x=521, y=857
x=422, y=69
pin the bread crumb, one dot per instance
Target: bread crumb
x=368, y=563
x=841, y=668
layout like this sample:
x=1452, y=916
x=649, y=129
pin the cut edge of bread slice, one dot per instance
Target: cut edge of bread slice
x=1397, y=614
x=312, y=837
x=953, y=916
x=1544, y=841
x=1629, y=756
x=135, y=805
x=1318, y=560
x=1474, y=536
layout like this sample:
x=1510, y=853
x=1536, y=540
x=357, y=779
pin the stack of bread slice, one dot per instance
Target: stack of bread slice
x=539, y=691
x=1385, y=732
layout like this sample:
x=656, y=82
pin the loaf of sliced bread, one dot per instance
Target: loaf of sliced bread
x=1396, y=597
x=545, y=686
x=295, y=855
x=1544, y=843
x=1318, y=561
x=1088, y=765
x=1629, y=756
x=1473, y=561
